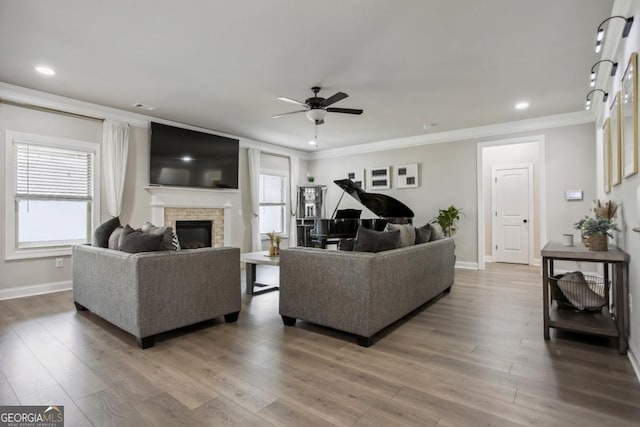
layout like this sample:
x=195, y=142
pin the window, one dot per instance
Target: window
x=50, y=195
x=273, y=204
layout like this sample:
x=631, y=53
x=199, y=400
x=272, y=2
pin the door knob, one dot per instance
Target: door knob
x=524, y=220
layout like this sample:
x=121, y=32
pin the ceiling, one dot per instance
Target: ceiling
x=222, y=64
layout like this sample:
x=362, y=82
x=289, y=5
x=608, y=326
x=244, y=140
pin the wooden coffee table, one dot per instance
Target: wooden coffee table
x=252, y=260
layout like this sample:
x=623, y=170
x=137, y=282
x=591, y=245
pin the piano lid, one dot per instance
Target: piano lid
x=380, y=204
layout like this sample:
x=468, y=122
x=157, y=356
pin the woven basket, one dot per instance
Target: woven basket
x=593, y=285
x=598, y=242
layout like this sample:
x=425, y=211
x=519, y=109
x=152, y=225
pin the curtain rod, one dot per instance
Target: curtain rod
x=48, y=109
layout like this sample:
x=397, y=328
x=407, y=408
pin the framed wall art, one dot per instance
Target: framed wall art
x=629, y=118
x=357, y=176
x=606, y=155
x=379, y=178
x=614, y=135
x=407, y=176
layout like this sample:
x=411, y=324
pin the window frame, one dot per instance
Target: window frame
x=12, y=252
x=285, y=175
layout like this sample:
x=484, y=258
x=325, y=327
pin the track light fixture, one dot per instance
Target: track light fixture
x=614, y=68
x=605, y=95
x=600, y=32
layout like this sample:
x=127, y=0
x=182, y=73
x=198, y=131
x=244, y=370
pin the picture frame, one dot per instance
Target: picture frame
x=615, y=143
x=406, y=176
x=379, y=178
x=606, y=155
x=629, y=117
x=357, y=176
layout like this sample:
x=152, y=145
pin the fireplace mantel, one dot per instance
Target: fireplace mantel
x=179, y=197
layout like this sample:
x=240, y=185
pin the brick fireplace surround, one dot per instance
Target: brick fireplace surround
x=171, y=204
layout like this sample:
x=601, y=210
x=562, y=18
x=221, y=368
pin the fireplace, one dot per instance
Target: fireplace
x=194, y=234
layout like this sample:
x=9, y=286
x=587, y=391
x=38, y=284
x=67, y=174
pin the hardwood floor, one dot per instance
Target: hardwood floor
x=474, y=357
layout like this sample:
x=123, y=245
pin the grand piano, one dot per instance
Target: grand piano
x=344, y=223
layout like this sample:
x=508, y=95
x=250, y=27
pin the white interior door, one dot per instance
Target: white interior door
x=512, y=207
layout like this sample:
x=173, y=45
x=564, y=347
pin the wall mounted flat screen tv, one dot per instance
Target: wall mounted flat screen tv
x=187, y=158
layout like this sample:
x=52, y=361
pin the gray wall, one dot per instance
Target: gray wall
x=447, y=175
x=42, y=270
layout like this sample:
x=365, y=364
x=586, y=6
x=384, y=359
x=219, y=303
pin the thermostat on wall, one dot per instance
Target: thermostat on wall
x=574, y=195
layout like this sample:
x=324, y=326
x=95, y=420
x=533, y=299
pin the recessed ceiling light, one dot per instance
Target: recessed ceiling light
x=429, y=125
x=186, y=159
x=312, y=142
x=47, y=71
x=522, y=105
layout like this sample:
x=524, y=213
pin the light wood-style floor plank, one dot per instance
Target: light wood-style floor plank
x=474, y=357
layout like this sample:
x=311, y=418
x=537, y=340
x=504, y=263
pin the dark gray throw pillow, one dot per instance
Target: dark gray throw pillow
x=103, y=232
x=170, y=239
x=134, y=241
x=423, y=234
x=376, y=241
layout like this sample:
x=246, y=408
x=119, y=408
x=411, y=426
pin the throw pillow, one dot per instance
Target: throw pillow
x=423, y=234
x=376, y=241
x=407, y=233
x=103, y=232
x=169, y=237
x=114, y=239
x=346, y=244
x=134, y=241
x=436, y=231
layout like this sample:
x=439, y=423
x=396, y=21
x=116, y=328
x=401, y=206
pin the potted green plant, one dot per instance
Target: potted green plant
x=448, y=219
x=596, y=230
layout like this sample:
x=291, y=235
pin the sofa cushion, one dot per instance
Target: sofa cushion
x=407, y=233
x=103, y=232
x=376, y=241
x=423, y=234
x=169, y=237
x=436, y=232
x=114, y=239
x=134, y=241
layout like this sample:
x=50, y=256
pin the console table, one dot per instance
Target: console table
x=612, y=320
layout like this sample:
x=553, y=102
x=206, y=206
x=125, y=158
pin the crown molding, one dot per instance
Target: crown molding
x=43, y=99
x=547, y=122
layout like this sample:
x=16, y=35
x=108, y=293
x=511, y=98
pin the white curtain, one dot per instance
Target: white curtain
x=254, y=180
x=294, y=168
x=115, y=149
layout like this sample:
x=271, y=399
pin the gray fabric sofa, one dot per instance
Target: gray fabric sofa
x=152, y=292
x=361, y=292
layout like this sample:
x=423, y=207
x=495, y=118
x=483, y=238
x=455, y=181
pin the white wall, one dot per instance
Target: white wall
x=627, y=194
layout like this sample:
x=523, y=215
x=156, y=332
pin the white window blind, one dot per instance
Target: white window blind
x=53, y=196
x=272, y=203
x=52, y=173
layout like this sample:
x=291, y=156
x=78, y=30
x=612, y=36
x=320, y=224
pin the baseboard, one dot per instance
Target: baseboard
x=488, y=258
x=467, y=265
x=536, y=262
x=27, y=291
x=635, y=363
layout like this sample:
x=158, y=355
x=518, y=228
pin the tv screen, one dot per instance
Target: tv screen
x=187, y=158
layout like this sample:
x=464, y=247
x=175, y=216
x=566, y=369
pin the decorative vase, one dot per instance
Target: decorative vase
x=272, y=249
x=598, y=242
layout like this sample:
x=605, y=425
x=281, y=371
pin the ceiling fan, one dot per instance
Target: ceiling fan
x=316, y=108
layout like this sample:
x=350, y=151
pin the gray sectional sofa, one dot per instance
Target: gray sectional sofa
x=361, y=292
x=152, y=292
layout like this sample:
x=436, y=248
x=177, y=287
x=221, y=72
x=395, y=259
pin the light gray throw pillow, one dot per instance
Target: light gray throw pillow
x=407, y=233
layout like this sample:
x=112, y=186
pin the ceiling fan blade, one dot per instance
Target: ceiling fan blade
x=344, y=110
x=333, y=99
x=286, y=114
x=293, y=101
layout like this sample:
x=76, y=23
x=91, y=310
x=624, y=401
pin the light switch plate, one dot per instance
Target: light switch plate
x=572, y=195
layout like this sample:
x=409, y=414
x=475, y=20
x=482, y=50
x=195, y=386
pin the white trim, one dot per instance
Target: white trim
x=539, y=123
x=530, y=207
x=27, y=291
x=466, y=265
x=11, y=252
x=480, y=190
x=29, y=96
x=488, y=258
x=635, y=362
x=536, y=262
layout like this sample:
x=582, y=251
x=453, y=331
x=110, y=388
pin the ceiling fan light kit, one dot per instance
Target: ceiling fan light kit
x=316, y=107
